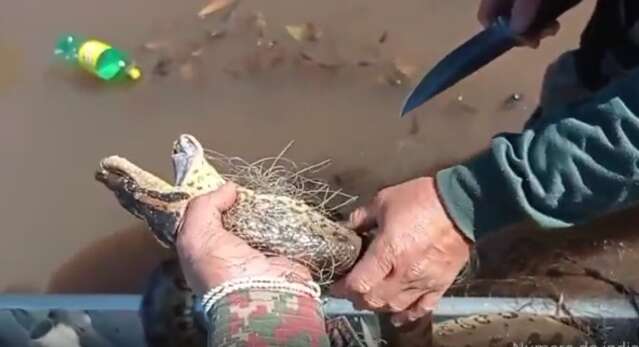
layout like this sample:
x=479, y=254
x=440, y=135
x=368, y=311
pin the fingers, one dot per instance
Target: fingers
x=489, y=10
x=374, y=266
x=551, y=30
x=425, y=305
x=404, y=299
x=523, y=14
x=402, y=288
x=363, y=218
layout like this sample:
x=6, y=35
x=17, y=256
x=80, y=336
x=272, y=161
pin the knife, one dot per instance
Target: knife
x=479, y=51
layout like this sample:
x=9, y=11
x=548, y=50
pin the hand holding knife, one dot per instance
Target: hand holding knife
x=480, y=50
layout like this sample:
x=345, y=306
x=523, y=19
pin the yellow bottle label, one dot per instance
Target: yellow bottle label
x=90, y=52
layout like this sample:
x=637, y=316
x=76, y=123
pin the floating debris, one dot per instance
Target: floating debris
x=156, y=45
x=322, y=64
x=406, y=69
x=383, y=37
x=215, y=6
x=266, y=43
x=516, y=97
x=306, y=57
x=96, y=57
x=398, y=73
x=216, y=34
x=162, y=67
x=364, y=63
x=197, y=52
x=306, y=32
x=394, y=78
x=512, y=101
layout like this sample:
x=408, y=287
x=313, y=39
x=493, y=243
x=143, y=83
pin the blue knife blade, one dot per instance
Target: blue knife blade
x=477, y=52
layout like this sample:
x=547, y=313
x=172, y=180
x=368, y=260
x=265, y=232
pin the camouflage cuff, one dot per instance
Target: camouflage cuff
x=267, y=318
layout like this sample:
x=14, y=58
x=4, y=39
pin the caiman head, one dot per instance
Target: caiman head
x=158, y=203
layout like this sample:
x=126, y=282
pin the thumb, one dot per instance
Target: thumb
x=203, y=214
x=224, y=197
x=218, y=201
x=363, y=218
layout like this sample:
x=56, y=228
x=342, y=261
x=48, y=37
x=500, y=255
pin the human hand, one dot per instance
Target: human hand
x=522, y=14
x=415, y=257
x=210, y=255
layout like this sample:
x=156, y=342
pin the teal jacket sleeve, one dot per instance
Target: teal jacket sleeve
x=576, y=163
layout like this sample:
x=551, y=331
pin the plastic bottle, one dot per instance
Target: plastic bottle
x=96, y=57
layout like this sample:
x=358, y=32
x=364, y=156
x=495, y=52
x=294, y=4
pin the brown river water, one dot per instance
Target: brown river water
x=237, y=98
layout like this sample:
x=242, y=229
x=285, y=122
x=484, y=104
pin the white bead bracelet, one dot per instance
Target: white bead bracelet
x=278, y=284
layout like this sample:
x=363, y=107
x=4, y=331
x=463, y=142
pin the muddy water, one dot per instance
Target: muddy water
x=57, y=124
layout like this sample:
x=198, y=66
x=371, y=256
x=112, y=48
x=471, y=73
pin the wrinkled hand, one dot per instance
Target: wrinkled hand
x=522, y=13
x=210, y=255
x=414, y=258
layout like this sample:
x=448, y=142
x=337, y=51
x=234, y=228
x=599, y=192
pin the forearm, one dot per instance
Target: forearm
x=575, y=164
x=267, y=318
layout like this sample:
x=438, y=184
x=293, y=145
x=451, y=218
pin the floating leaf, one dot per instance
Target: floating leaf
x=305, y=32
x=215, y=6
x=296, y=32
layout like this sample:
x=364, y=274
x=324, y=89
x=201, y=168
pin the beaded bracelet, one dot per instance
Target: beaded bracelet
x=214, y=295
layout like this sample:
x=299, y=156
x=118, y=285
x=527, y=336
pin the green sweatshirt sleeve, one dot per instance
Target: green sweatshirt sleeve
x=576, y=163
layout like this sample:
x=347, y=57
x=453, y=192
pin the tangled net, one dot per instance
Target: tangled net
x=284, y=177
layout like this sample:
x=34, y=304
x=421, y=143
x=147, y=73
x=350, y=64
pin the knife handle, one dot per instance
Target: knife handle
x=549, y=11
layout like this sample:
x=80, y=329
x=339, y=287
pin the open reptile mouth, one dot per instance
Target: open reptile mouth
x=104, y=173
x=144, y=195
x=184, y=154
x=113, y=176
